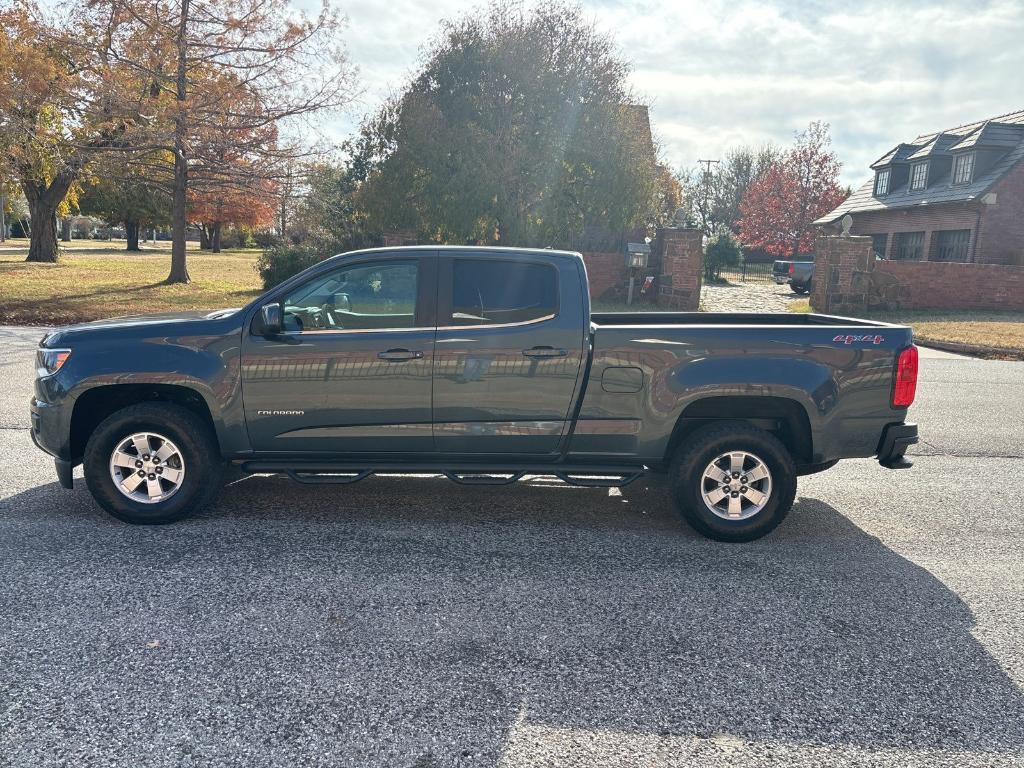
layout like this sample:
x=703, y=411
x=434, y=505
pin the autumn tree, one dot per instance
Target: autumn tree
x=235, y=68
x=213, y=208
x=44, y=141
x=517, y=128
x=779, y=209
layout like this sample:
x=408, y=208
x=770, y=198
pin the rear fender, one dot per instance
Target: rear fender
x=808, y=384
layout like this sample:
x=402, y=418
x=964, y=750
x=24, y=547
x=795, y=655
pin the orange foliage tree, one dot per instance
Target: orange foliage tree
x=781, y=205
x=213, y=207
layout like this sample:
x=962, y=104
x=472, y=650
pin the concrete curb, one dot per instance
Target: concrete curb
x=969, y=349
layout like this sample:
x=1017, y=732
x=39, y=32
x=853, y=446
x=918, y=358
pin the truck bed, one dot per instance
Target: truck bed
x=648, y=368
x=729, y=318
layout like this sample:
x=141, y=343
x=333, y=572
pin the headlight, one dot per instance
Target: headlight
x=49, y=361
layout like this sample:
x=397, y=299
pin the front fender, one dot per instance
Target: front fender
x=207, y=365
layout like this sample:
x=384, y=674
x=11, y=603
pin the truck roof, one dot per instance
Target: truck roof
x=483, y=250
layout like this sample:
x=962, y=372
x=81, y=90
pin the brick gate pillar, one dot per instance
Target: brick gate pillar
x=682, y=263
x=842, y=274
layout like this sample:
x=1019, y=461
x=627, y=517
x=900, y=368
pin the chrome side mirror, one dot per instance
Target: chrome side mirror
x=272, y=319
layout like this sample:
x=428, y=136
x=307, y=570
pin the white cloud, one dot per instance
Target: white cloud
x=719, y=73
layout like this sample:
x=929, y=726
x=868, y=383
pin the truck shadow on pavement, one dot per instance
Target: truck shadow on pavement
x=406, y=621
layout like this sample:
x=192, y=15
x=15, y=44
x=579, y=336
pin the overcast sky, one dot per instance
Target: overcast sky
x=717, y=74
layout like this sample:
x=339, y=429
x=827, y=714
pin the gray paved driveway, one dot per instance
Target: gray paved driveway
x=415, y=623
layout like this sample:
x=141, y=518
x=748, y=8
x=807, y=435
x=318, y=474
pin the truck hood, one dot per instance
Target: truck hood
x=135, y=325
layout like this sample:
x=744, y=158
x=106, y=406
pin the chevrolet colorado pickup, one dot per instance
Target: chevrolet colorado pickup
x=481, y=364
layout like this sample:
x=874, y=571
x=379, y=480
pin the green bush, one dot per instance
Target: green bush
x=264, y=238
x=722, y=250
x=280, y=261
x=237, y=237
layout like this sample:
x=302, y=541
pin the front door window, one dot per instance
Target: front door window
x=357, y=298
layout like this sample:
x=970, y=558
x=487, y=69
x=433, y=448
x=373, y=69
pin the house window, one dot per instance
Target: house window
x=919, y=176
x=951, y=245
x=908, y=246
x=882, y=183
x=878, y=244
x=963, y=168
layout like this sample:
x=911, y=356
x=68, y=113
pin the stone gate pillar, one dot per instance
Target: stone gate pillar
x=681, y=254
x=842, y=274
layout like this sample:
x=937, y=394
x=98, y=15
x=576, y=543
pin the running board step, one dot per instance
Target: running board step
x=325, y=473
x=327, y=478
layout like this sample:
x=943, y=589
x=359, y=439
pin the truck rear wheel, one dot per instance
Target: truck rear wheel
x=152, y=463
x=733, y=482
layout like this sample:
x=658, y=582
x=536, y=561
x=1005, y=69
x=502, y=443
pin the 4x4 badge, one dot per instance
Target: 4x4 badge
x=849, y=339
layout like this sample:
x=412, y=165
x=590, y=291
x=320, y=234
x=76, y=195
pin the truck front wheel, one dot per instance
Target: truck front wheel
x=733, y=482
x=152, y=463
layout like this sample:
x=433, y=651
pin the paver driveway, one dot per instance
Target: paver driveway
x=746, y=297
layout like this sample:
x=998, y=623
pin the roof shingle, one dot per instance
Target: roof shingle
x=1005, y=131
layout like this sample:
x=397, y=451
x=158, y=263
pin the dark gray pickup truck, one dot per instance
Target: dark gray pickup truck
x=481, y=364
x=799, y=275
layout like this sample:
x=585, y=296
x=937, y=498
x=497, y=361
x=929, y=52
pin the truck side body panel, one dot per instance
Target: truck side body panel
x=843, y=388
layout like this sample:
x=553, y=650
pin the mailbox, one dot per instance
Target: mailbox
x=637, y=255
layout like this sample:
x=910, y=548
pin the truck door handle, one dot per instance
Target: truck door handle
x=399, y=355
x=544, y=352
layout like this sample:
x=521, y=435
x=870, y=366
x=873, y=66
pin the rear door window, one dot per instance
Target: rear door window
x=495, y=292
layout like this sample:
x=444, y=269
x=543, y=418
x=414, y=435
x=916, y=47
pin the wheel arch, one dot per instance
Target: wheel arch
x=95, y=404
x=784, y=417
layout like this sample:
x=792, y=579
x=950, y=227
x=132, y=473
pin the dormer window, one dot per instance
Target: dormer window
x=963, y=168
x=918, y=176
x=882, y=183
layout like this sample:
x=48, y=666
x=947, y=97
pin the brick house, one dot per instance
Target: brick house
x=952, y=196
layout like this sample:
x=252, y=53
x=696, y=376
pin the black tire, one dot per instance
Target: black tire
x=800, y=289
x=697, y=452
x=204, y=468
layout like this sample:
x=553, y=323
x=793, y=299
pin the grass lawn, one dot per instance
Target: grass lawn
x=96, y=279
x=1000, y=330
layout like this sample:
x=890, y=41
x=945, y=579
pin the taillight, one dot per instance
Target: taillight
x=905, y=386
x=792, y=269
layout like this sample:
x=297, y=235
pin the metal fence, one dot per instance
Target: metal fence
x=748, y=273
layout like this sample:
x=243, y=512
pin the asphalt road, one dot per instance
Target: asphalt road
x=410, y=622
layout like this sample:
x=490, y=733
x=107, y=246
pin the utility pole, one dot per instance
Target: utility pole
x=3, y=217
x=707, y=190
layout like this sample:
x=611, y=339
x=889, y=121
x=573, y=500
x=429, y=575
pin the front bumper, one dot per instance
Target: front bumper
x=896, y=439
x=49, y=433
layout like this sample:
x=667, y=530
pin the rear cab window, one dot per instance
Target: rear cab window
x=498, y=292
